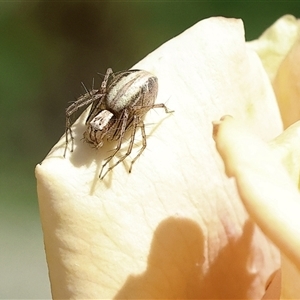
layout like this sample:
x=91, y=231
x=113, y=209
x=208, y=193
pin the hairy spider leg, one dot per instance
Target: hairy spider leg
x=158, y=105
x=109, y=72
x=84, y=100
x=124, y=117
x=144, y=143
x=96, y=106
x=141, y=124
x=137, y=122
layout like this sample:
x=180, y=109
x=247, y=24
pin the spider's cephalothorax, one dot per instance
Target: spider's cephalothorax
x=120, y=104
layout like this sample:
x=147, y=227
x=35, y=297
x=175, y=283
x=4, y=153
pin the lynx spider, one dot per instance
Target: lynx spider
x=119, y=105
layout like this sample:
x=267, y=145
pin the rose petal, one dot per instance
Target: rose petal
x=174, y=227
x=266, y=189
x=279, y=50
x=275, y=43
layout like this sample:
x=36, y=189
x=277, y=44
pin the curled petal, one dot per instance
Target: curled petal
x=266, y=189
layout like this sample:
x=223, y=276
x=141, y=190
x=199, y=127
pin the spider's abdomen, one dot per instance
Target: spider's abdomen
x=131, y=88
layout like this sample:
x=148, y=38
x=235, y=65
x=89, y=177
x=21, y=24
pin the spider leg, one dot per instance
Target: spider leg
x=128, y=152
x=142, y=126
x=109, y=72
x=158, y=105
x=84, y=100
x=161, y=105
x=96, y=106
x=120, y=140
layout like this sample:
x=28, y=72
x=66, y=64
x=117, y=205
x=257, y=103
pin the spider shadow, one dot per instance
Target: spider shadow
x=138, y=142
x=85, y=154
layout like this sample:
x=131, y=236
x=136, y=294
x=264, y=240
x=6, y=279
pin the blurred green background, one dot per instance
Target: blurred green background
x=46, y=50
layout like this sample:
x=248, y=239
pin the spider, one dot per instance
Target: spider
x=117, y=107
